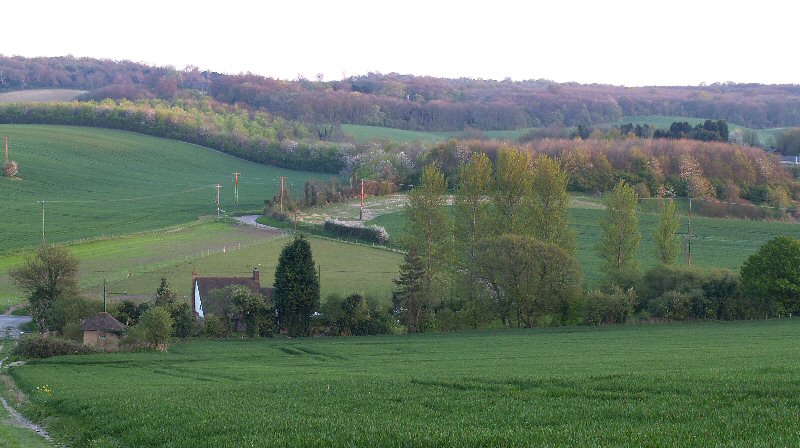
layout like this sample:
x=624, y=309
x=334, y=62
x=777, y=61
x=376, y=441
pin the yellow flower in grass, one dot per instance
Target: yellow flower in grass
x=44, y=390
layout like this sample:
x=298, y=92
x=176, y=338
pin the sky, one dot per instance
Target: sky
x=632, y=43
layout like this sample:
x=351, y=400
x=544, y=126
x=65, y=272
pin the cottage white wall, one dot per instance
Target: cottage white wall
x=198, y=304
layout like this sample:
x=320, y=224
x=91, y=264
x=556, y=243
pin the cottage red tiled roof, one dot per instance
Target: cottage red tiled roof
x=102, y=322
x=208, y=284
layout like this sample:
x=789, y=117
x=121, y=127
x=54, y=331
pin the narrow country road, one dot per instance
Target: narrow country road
x=250, y=220
x=10, y=326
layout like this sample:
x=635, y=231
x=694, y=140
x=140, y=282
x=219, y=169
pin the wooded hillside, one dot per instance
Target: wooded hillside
x=414, y=102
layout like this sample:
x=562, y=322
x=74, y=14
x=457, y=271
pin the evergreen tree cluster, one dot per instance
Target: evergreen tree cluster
x=296, y=287
x=708, y=131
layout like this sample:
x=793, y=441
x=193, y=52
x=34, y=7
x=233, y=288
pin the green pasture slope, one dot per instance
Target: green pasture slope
x=692, y=384
x=363, y=134
x=722, y=243
x=135, y=264
x=664, y=122
x=40, y=96
x=100, y=182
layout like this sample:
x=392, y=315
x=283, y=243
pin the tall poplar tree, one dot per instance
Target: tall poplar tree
x=667, y=246
x=296, y=287
x=619, y=246
x=512, y=191
x=550, y=200
x=471, y=207
x=472, y=223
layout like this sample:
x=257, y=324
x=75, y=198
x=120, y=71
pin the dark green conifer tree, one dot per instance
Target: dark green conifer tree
x=296, y=287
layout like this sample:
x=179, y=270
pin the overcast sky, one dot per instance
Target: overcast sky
x=630, y=43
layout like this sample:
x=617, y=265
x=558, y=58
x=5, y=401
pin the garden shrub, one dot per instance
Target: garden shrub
x=215, y=327
x=353, y=315
x=133, y=339
x=40, y=346
x=679, y=293
x=613, y=307
x=73, y=332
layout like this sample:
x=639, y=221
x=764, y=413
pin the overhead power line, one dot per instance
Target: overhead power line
x=140, y=198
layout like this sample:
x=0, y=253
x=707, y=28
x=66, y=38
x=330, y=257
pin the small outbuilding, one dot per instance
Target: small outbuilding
x=102, y=332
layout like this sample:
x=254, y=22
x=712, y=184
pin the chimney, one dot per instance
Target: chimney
x=256, y=276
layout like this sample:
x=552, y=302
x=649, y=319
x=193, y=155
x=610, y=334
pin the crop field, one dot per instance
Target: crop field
x=135, y=264
x=100, y=182
x=363, y=134
x=723, y=243
x=40, y=96
x=694, y=384
x=663, y=122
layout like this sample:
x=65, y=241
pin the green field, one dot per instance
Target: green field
x=135, y=264
x=363, y=134
x=724, y=243
x=100, y=182
x=695, y=384
x=664, y=122
x=14, y=437
x=40, y=96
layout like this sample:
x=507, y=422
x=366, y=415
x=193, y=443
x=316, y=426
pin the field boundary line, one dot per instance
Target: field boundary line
x=169, y=229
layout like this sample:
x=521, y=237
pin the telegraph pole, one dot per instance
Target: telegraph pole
x=42, y=202
x=283, y=181
x=218, y=187
x=236, y=189
x=361, y=211
x=689, y=237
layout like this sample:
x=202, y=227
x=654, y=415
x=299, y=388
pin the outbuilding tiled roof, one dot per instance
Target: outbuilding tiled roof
x=102, y=322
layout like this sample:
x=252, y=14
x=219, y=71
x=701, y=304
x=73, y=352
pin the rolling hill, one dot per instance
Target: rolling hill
x=100, y=182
